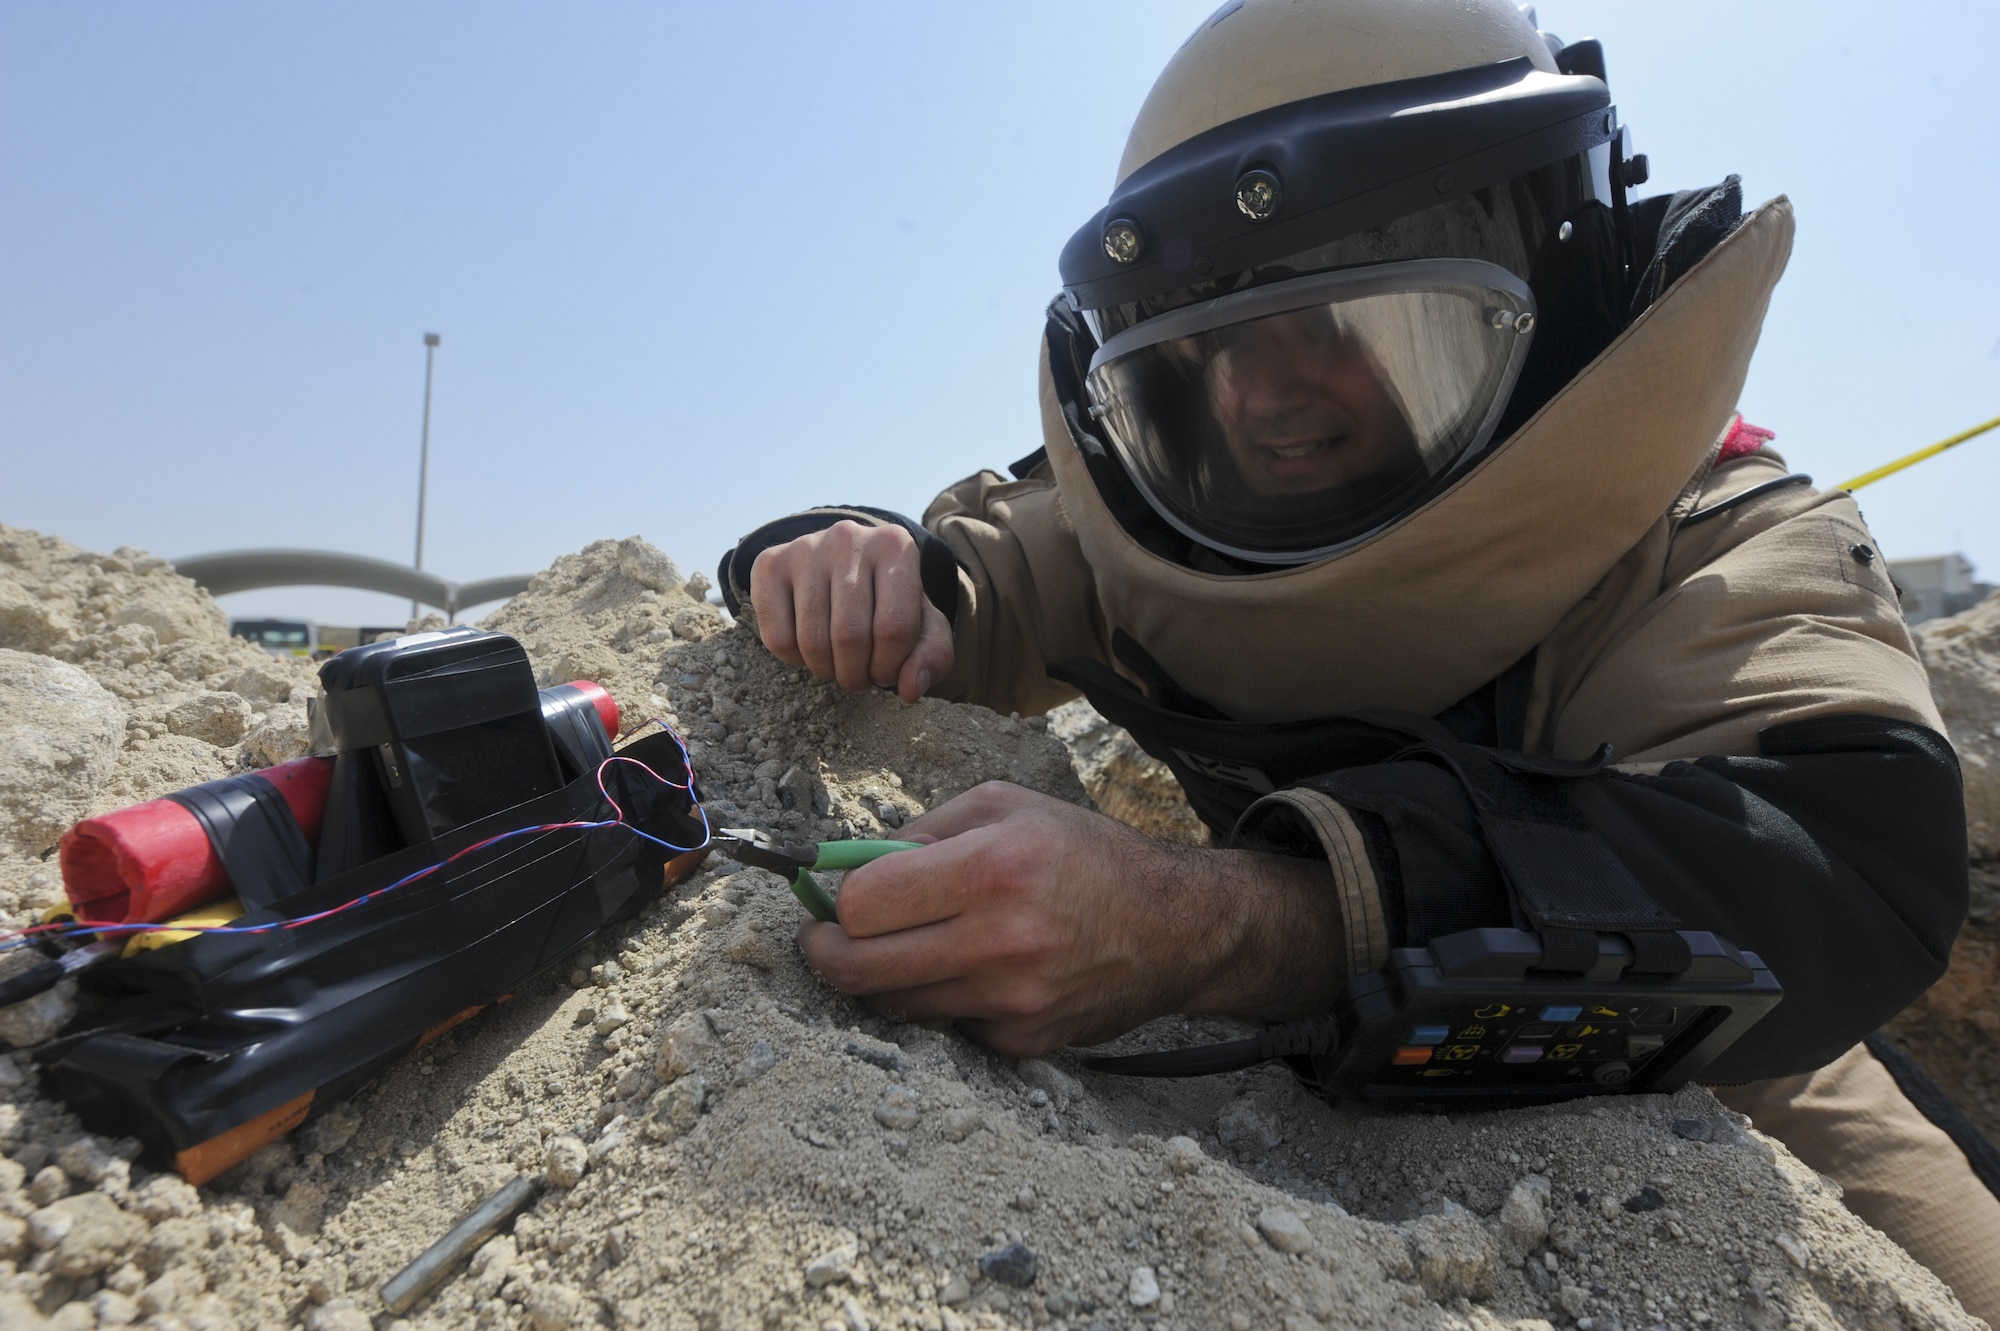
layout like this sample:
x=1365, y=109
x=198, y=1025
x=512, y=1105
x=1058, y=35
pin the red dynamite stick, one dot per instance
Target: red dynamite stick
x=607, y=707
x=153, y=862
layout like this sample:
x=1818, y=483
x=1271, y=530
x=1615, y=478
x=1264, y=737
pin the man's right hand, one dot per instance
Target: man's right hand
x=848, y=604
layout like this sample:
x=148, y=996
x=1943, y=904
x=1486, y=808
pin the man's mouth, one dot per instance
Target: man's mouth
x=1306, y=450
x=1298, y=458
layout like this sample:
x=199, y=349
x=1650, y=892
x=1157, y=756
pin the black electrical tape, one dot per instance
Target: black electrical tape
x=1312, y=1035
x=255, y=834
x=26, y=984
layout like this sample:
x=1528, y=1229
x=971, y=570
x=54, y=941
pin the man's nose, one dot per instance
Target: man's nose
x=1275, y=385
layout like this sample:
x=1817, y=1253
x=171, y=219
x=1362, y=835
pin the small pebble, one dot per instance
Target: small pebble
x=565, y=1160
x=1143, y=1289
x=114, y=1309
x=834, y=1266
x=1283, y=1230
x=1694, y=1129
x=681, y=1046
x=1184, y=1155
x=1015, y=1265
x=956, y=1291
x=340, y=1315
x=674, y=1110
x=553, y=1307
x=960, y=1123
x=611, y=1018
x=610, y=1139
x=884, y=1056
x=1648, y=1198
x=898, y=1110
x=47, y=1228
x=51, y=1184
x=761, y=1060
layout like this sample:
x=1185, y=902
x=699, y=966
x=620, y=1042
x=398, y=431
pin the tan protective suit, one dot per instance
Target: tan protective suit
x=1668, y=642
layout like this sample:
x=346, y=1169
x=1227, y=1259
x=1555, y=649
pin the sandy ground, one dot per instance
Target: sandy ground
x=725, y=1142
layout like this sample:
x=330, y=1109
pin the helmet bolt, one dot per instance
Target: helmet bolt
x=1524, y=322
x=1258, y=195
x=1565, y=231
x=1123, y=241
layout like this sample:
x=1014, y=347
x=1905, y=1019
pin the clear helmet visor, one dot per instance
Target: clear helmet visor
x=1283, y=423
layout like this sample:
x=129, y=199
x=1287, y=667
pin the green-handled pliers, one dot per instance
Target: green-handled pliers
x=796, y=863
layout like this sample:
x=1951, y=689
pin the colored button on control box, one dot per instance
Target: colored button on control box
x=1411, y=1055
x=1521, y=1053
x=1430, y=1035
x=1561, y=1014
x=1541, y=1030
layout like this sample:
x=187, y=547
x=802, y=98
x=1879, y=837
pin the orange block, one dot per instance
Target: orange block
x=204, y=1160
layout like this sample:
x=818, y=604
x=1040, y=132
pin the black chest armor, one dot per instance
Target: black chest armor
x=1224, y=765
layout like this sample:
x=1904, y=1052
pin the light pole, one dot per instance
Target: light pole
x=424, y=458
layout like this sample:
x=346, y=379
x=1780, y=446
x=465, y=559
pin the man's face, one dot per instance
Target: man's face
x=1303, y=409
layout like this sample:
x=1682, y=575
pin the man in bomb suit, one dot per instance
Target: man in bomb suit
x=1392, y=478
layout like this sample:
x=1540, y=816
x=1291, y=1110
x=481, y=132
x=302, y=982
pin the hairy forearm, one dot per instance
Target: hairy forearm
x=1269, y=941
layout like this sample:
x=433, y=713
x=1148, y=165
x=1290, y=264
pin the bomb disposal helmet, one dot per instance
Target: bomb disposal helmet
x=1352, y=243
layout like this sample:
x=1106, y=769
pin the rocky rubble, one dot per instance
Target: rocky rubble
x=1123, y=779
x=118, y=682
x=728, y=1143
x=1954, y=1030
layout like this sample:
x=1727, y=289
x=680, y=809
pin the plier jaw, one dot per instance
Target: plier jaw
x=751, y=846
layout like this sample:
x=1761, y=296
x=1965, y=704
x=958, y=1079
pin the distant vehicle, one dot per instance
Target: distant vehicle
x=279, y=637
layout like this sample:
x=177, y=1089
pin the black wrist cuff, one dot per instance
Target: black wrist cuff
x=938, y=566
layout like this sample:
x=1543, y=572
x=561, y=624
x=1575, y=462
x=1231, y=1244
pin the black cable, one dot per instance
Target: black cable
x=1722, y=506
x=1307, y=1036
x=1936, y=1105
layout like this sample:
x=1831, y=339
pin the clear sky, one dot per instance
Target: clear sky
x=695, y=266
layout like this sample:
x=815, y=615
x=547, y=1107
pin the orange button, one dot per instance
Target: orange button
x=1410, y=1055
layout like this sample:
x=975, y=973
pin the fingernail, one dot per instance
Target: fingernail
x=923, y=681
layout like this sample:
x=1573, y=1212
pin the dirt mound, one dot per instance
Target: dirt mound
x=1954, y=1030
x=1125, y=781
x=731, y=1144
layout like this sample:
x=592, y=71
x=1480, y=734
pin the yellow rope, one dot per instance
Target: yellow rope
x=1913, y=459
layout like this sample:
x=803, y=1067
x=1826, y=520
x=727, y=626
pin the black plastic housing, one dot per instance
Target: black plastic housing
x=434, y=731
x=1479, y=993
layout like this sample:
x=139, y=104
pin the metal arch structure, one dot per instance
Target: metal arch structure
x=249, y=570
